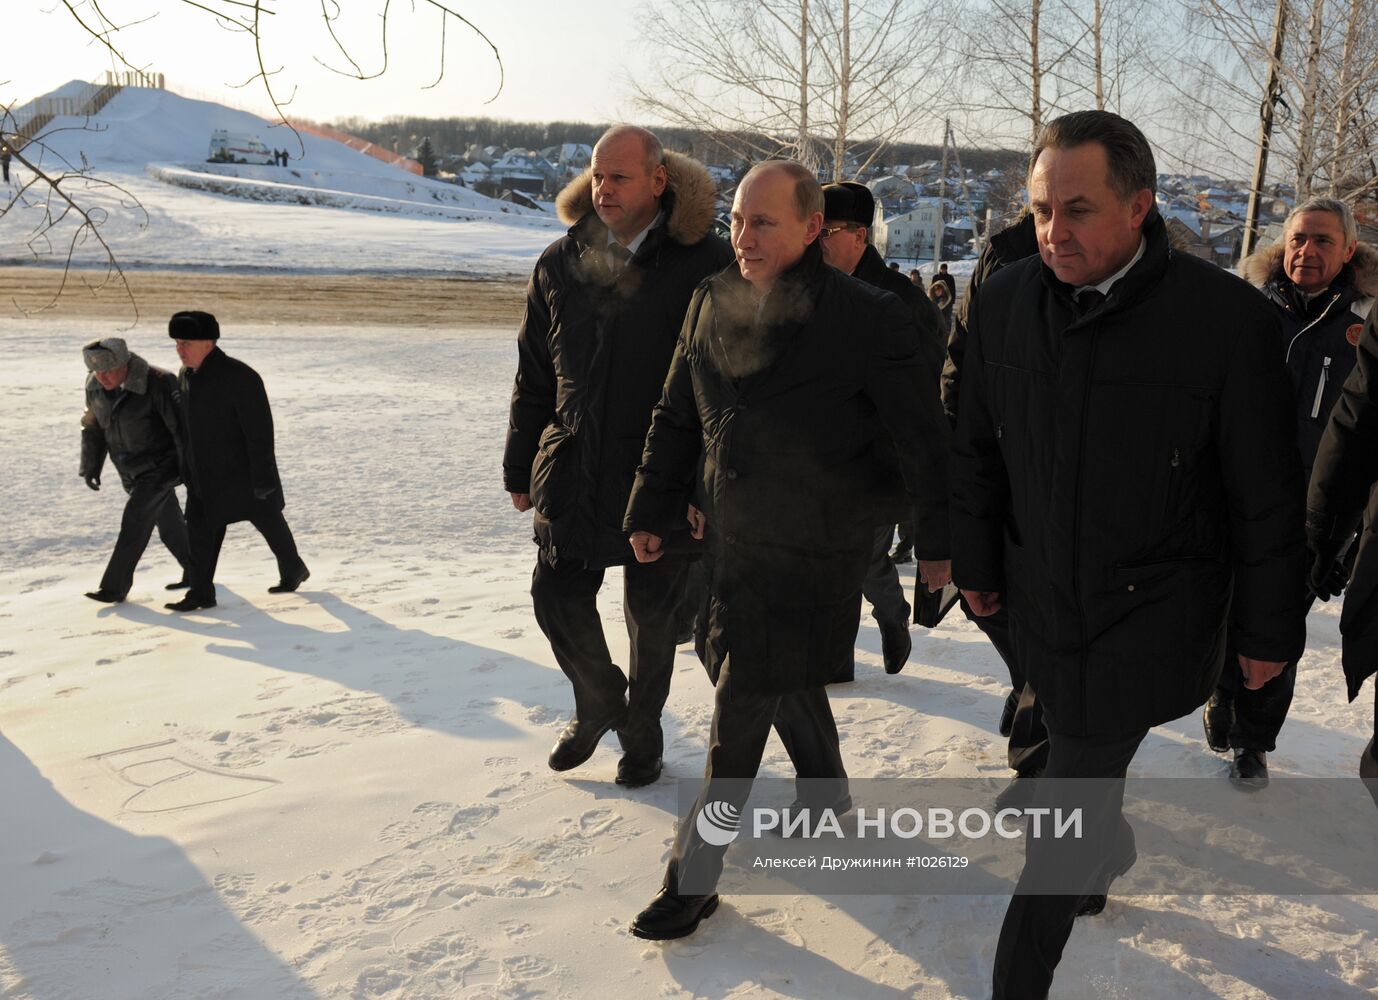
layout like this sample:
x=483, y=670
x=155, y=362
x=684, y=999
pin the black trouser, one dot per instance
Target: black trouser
x=565, y=599
x=1028, y=744
x=741, y=724
x=1258, y=714
x=1036, y=927
x=882, y=584
x=149, y=504
x=207, y=535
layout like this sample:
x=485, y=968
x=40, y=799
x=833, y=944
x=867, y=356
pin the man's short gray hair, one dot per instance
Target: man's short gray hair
x=655, y=152
x=1335, y=207
x=808, y=192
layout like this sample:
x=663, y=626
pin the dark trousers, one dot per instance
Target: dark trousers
x=1028, y=742
x=207, y=535
x=1037, y=926
x=882, y=584
x=148, y=505
x=565, y=598
x=742, y=721
x=1258, y=715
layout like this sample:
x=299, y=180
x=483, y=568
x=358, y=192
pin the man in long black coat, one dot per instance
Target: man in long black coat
x=1342, y=482
x=784, y=372
x=131, y=415
x=231, y=474
x=848, y=211
x=603, y=308
x=1125, y=479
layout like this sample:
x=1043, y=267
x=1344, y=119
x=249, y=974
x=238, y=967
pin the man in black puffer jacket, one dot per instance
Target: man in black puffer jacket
x=1125, y=479
x=603, y=309
x=131, y=415
x=1321, y=280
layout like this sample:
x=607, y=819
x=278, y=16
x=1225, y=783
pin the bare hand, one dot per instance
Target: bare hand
x=522, y=501
x=646, y=546
x=935, y=573
x=982, y=602
x=696, y=521
x=1258, y=672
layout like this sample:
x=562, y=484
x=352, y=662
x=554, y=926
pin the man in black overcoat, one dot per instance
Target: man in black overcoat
x=231, y=471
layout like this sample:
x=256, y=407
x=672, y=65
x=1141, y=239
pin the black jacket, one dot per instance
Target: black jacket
x=593, y=350
x=228, y=426
x=892, y=503
x=1128, y=480
x=784, y=406
x=1318, y=335
x=137, y=425
x=1341, y=486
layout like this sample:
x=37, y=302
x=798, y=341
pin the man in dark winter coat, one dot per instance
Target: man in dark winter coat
x=848, y=210
x=784, y=371
x=1125, y=478
x=1342, y=481
x=131, y=415
x=1321, y=280
x=1021, y=719
x=604, y=306
x=232, y=474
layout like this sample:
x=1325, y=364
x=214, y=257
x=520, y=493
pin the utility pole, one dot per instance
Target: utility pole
x=941, y=230
x=1265, y=134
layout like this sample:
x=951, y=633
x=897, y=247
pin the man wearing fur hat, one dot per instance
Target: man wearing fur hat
x=232, y=474
x=131, y=415
x=1322, y=282
x=603, y=312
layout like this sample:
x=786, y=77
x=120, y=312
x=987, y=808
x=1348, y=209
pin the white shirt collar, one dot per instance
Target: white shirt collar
x=1104, y=286
x=639, y=238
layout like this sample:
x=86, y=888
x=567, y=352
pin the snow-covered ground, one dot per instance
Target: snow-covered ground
x=343, y=792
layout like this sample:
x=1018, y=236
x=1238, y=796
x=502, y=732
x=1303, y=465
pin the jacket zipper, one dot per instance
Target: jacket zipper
x=1320, y=388
x=1076, y=526
x=1324, y=313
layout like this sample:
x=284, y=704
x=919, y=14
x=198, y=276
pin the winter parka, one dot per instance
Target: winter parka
x=137, y=425
x=1128, y=481
x=1319, y=335
x=593, y=350
x=783, y=398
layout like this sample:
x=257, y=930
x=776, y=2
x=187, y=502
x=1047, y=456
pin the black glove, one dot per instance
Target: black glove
x=92, y=481
x=1328, y=578
x=1326, y=541
x=264, y=492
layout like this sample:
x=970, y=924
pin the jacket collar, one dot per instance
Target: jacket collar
x=1141, y=277
x=871, y=266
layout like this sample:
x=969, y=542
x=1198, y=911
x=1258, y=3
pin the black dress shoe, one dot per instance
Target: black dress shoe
x=1217, y=718
x=105, y=596
x=190, y=603
x=1368, y=769
x=895, y=646
x=290, y=583
x=577, y=743
x=1094, y=903
x=1249, y=770
x=634, y=771
x=1007, y=713
x=1020, y=791
x=902, y=555
x=673, y=916
x=181, y=584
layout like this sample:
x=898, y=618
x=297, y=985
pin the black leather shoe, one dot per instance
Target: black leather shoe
x=672, y=916
x=190, y=603
x=290, y=583
x=1217, y=717
x=577, y=743
x=1249, y=770
x=902, y=555
x=895, y=646
x=1094, y=903
x=1368, y=769
x=634, y=771
x=1020, y=791
x=105, y=596
x=181, y=584
x=1007, y=712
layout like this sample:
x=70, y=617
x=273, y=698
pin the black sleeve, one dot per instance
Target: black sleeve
x=533, y=394
x=92, y=444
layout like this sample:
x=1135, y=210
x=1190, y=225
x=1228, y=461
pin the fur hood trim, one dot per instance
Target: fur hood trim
x=136, y=381
x=693, y=206
x=1265, y=264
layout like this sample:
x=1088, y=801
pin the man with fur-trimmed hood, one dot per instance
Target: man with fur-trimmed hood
x=131, y=415
x=604, y=309
x=1322, y=282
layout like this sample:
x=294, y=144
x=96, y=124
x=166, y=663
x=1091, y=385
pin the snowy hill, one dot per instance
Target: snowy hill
x=322, y=213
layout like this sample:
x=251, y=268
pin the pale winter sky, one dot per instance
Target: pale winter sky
x=563, y=61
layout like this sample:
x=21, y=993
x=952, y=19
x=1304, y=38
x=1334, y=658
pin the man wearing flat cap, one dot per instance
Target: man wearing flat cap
x=131, y=415
x=848, y=210
x=232, y=474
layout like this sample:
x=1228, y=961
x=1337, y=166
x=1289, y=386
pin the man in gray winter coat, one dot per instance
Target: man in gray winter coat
x=131, y=415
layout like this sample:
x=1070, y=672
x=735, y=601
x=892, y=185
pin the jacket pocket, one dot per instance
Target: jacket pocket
x=554, y=472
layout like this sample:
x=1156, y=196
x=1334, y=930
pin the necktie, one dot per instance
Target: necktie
x=618, y=255
x=1089, y=300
